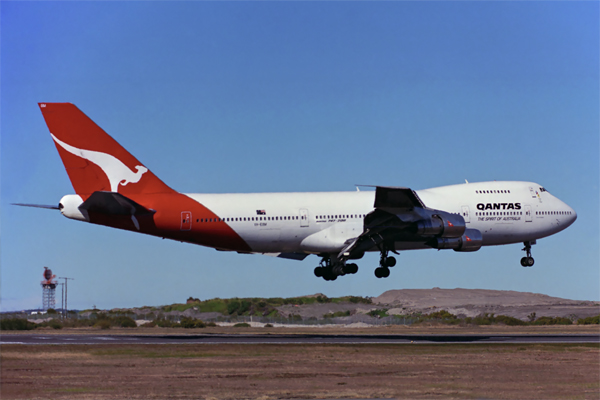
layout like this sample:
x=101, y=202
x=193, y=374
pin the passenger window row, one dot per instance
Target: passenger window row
x=340, y=216
x=248, y=219
x=553, y=213
x=492, y=213
x=491, y=191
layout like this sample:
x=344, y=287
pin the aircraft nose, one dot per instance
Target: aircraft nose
x=571, y=216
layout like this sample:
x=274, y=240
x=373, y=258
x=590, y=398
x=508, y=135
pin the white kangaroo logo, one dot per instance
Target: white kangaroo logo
x=116, y=172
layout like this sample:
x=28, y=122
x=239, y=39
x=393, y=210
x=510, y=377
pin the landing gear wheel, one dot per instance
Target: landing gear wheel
x=319, y=271
x=390, y=262
x=524, y=261
x=382, y=272
x=527, y=261
x=329, y=276
x=530, y=261
x=351, y=269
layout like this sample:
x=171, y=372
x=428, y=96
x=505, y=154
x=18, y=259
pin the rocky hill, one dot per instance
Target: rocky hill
x=460, y=302
x=410, y=303
x=473, y=302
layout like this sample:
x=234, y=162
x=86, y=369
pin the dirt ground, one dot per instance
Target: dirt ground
x=420, y=371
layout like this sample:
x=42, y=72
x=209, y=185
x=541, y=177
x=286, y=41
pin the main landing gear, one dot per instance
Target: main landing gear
x=385, y=263
x=527, y=261
x=330, y=269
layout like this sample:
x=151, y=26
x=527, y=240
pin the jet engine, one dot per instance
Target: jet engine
x=441, y=224
x=471, y=240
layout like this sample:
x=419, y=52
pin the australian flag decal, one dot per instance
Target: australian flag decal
x=261, y=212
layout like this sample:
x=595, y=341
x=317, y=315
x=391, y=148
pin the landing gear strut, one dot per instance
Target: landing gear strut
x=330, y=269
x=385, y=263
x=527, y=261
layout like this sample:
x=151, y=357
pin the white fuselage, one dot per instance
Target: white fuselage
x=504, y=212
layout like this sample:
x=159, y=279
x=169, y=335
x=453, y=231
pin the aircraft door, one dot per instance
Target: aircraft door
x=528, y=217
x=186, y=220
x=303, y=217
x=465, y=213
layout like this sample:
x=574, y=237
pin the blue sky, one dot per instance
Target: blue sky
x=221, y=97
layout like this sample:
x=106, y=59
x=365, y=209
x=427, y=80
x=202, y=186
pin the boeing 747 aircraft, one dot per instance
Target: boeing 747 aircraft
x=114, y=189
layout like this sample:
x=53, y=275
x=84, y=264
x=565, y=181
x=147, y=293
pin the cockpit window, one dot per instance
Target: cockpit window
x=543, y=189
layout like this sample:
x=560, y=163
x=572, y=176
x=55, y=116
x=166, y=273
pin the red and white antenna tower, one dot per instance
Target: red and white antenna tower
x=48, y=290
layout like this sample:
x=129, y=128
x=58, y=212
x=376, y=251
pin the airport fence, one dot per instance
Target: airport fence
x=175, y=317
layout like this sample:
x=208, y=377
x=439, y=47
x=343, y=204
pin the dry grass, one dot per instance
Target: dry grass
x=506, y=371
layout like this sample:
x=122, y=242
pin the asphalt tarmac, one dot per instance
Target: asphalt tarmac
x=95, y=339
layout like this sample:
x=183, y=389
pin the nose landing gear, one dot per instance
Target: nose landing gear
x=527, y=261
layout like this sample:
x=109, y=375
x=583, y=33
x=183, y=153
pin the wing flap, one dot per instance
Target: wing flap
x=396, y=198
x=290, y=256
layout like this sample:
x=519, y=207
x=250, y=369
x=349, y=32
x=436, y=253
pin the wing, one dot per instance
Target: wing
x=401, y=216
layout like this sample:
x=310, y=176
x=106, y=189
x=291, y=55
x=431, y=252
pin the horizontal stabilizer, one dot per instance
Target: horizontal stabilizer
x=36, y=206
x=113, y=204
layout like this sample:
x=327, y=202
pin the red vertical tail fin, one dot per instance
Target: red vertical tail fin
x=93, y=159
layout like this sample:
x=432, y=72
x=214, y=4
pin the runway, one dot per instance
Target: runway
x=99, y=339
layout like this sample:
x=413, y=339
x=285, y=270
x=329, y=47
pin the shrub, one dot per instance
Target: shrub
x=441, y=315
x=271, y=313
x=488, y=319
x=482, y=320
x=589, y=320
x=242, y=325
x=16, y=324
x=506, y=320
x=125, y=322
x=552, y=321
x=102, y=324
x=295, y=317
x=213, y=305
x=187, y=322
x=268, y=326
x=379, y=313
x=233, y=306
x=164, y=323
x=357, y=299
x=294, y=301
x=55, y=324
x=244, y=307
x=77, y=323
x=337, y=314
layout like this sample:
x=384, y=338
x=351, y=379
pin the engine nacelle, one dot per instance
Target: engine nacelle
x=442, y=224
x=471, y=240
